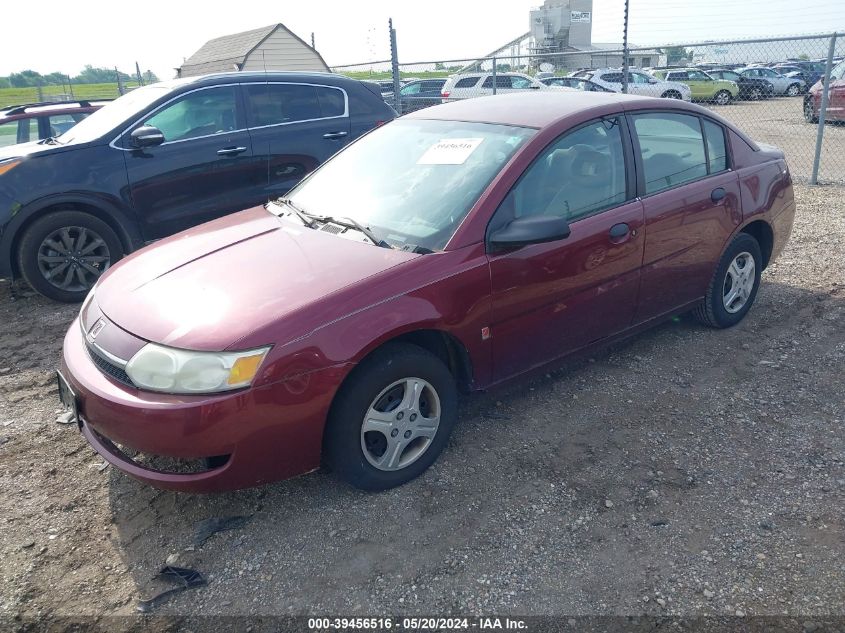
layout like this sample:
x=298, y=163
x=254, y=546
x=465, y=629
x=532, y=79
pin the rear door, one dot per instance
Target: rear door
x=200, y=171
x=294, y=128
x=548, y=299
x=691, y=200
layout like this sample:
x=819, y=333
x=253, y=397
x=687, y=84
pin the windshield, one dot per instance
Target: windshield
x=412, y=181
x=110, y=116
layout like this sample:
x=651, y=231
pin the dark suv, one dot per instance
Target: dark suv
x=34, y=121
x=163, y=158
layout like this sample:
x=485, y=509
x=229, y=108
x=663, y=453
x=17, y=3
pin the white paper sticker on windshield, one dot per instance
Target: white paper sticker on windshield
x=449, y=151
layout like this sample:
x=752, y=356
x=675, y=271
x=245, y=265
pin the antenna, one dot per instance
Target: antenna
x=267, y=88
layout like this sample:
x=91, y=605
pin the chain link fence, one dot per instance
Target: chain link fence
x=769, y=88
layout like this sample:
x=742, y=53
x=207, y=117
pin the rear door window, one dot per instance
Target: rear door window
x=272, y=104
x=671, y=149
x=467, y=82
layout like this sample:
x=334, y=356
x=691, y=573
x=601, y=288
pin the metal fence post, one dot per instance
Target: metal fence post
x=814, y=179
x=625, y=51
x=394, y=68
x=494, y=75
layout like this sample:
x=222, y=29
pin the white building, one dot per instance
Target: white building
x=272, y=47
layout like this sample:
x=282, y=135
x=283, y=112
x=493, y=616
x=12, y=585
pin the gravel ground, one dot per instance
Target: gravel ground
x=685, y=471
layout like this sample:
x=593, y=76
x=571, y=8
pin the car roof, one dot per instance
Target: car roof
x=529, y=109
x=250, y=76
x=24, y=111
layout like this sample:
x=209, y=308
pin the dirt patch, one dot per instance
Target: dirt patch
x=685, y=471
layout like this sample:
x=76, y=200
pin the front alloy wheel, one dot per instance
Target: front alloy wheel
x=400, y=424
x=72, y=258
x=63, y=253
x=723, y=97
x=391, y=418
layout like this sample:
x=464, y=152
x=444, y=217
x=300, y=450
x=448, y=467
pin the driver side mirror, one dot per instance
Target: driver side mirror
x=530, y=229
x=147, y=136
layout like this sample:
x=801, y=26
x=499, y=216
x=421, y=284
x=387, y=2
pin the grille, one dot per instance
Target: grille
x=333, y=228
x=109, y=368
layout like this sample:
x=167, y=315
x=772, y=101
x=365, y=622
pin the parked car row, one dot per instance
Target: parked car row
x=163, y=158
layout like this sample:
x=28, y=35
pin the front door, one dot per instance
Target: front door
x=548, y=299
x=692, y=204
x=196, y=174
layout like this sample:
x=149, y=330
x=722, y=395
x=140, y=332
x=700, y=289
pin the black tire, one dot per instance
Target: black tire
x=712, y=311
x=793, y=90
x=755, y=94
x=810, y=115
x=723, y=97
x=34, y=249
x=343, y=441
x=671, y=94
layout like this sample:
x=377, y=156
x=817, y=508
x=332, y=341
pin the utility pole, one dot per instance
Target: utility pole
x=625, y=51
x=138, y=74
x=312, y=41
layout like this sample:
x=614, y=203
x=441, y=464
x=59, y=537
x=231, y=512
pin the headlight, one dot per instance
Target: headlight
x=9, y=164
x=160, y=368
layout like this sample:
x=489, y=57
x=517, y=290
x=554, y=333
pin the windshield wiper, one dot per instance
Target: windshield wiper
x=50, y=140
x=354, y=224
x=307, y=218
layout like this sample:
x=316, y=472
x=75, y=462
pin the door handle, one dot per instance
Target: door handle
x=230, y=151
x=618, y=231
x=333, y=135
x=717, y=195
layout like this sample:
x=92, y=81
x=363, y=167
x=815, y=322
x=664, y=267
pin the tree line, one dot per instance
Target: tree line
x=89, y=75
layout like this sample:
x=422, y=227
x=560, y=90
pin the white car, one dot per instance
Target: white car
x=466, y=86
x=639, y=83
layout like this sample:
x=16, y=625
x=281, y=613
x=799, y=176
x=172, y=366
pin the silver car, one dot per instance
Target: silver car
x=639, y=83
x=791, y=86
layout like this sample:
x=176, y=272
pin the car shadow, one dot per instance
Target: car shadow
x=553, y=470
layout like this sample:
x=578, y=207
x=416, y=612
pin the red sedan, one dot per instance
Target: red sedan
x=450, y=250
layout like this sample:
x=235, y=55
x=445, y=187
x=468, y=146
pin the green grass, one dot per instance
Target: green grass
x=11, y=96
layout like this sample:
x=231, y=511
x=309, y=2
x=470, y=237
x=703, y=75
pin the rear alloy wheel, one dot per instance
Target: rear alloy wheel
x=392, y=418
x=723, y=97
x=810, y=112
x=734, y=285
x=671, y=94
x=62, y=255
x=755, y=94
x=794, y=90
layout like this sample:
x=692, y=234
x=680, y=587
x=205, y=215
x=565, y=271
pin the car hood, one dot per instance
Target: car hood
x=213, y=285
x=33, y=148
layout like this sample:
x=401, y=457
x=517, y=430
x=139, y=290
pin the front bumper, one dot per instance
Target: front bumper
x=252, y=436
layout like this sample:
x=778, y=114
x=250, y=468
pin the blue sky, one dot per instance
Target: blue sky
x=160, y=34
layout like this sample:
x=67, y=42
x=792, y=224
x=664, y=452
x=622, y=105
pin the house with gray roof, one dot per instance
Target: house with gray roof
x=272, y=47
